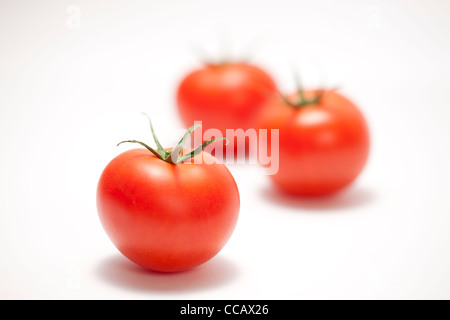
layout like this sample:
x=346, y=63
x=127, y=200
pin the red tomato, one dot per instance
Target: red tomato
x=224, y=96
x=167, y=217
x=323, y=143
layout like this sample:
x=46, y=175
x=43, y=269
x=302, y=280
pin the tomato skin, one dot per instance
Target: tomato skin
x=227, y=96
x=167, y=217
x=322, y=147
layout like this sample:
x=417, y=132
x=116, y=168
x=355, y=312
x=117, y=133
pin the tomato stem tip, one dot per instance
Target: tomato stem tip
x=174, y=156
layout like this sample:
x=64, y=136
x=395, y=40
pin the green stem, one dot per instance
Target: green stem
x=175, y=156
x=303, y=102
x=155, y=138
x=200, y=149
x=142, y=144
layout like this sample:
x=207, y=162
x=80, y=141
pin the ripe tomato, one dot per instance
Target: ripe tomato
x=323, y=141
x=167, y=216
x=224, y=96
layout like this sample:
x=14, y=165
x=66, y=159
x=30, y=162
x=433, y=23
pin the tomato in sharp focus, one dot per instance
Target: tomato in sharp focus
x=167, y=215
x=323, y=141
x=224, y=96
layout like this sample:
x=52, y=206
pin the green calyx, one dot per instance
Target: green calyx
x=302, y=101
x=174, y=156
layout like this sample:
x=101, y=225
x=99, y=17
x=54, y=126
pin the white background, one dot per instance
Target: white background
x=69, y=94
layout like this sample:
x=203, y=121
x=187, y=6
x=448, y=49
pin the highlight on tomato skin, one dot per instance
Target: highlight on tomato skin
x=164, y=214
x=324, y=141
x=224, y=96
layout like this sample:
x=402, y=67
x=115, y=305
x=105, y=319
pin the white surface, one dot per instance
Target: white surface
x=68, y=95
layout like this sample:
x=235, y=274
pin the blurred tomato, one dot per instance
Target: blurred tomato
x=323, y=141
x=224, y=96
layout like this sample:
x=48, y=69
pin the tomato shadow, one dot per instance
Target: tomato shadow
x=352, y=197
x=120, y=272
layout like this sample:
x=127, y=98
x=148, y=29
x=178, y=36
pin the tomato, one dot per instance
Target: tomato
x=167, y=215
x=323, y=141
x=224, y=96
